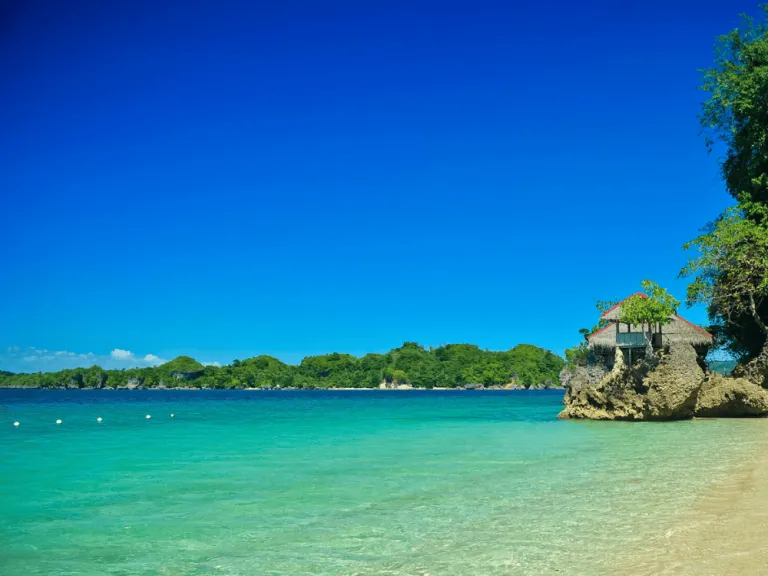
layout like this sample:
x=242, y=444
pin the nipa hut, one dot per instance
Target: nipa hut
x=634, y=340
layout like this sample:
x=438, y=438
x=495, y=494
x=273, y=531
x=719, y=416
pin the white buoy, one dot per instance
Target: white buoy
x=15, y=423
x=98, y=419
x=58, y=421
x=172, y=415
x=148, y=416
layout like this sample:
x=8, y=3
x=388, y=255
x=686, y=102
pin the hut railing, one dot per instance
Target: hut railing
x=632, y=339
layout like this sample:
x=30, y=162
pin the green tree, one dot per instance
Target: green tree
x=395, y=376
x=577, y=355
x=730, y=271
x=654, y=310
x=736, y=112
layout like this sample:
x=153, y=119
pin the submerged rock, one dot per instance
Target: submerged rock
x=732, y=397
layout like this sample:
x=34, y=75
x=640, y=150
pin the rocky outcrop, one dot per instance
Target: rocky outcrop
x=756, y=370
x=545, y=385
x=666, y=385
x=673, y=385
x=610, y=398
x=513, y=385
x=731, y=397
x=133, y=383
x=75, y=381
x=661, y=387
x=474, y=386
x=191, y=375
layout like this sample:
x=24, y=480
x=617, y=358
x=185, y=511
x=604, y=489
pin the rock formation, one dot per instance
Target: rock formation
x=756, y=371
x=666, y=385
x=734, y=397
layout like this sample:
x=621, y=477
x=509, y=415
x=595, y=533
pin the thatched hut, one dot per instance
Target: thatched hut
x=634, y=340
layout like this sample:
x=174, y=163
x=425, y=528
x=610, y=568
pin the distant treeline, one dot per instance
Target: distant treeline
x=449, y=366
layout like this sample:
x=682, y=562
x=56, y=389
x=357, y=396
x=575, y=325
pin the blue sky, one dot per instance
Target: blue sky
x=230, y=179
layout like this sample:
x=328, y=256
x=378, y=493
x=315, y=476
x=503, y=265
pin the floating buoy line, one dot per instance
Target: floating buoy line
x=16, y=424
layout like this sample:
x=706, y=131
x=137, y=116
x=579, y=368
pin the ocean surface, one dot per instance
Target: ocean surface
x=338, y=482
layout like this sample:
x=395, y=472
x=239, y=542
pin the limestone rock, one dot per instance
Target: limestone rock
x=545, y=385
x=663, y=387
x=133, y=383
x=513, y=385
x=473, y=386
x=673, y=385
x=756, y=371
x=75, y=381
x=608, y=399
x=731, y=397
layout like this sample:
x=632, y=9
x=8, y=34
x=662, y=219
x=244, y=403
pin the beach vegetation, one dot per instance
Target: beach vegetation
x=729, y=265
x=447, y=366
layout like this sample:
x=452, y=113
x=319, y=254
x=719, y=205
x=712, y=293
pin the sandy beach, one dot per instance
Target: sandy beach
x=724, y=533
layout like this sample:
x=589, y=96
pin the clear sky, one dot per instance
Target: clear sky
x=230, y=179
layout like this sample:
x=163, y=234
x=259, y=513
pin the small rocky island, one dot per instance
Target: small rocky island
x=656, y=372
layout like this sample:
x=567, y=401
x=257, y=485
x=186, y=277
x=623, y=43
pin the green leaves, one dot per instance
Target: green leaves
x=447, y=366
x=578, y=355
x=655, y=309
x=735, y=114
x=730, y=269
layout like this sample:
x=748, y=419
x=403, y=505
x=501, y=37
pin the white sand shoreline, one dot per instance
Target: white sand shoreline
x=724, y=533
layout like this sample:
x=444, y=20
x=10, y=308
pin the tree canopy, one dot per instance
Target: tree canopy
x=655, y=309
x=729, y=265
x=736, y=112
x=730, y=269
x=449, y=366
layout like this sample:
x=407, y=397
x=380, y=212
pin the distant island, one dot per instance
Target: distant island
x=453, y=366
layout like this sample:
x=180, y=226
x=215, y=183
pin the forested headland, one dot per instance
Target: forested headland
x=448, y=366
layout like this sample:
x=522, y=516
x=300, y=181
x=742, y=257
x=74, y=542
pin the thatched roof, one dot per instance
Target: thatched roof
x=679, y=330
x=614, y=312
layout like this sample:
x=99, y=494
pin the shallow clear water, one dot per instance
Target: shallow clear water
x=346, y=482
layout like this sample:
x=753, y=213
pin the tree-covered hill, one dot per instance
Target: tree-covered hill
x=449, y=366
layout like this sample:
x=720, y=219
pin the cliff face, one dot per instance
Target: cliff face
x=665, y=386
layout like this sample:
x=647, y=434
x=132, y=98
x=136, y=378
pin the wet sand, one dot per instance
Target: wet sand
x=724, y=533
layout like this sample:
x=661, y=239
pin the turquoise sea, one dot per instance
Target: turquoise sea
x=338, y=482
